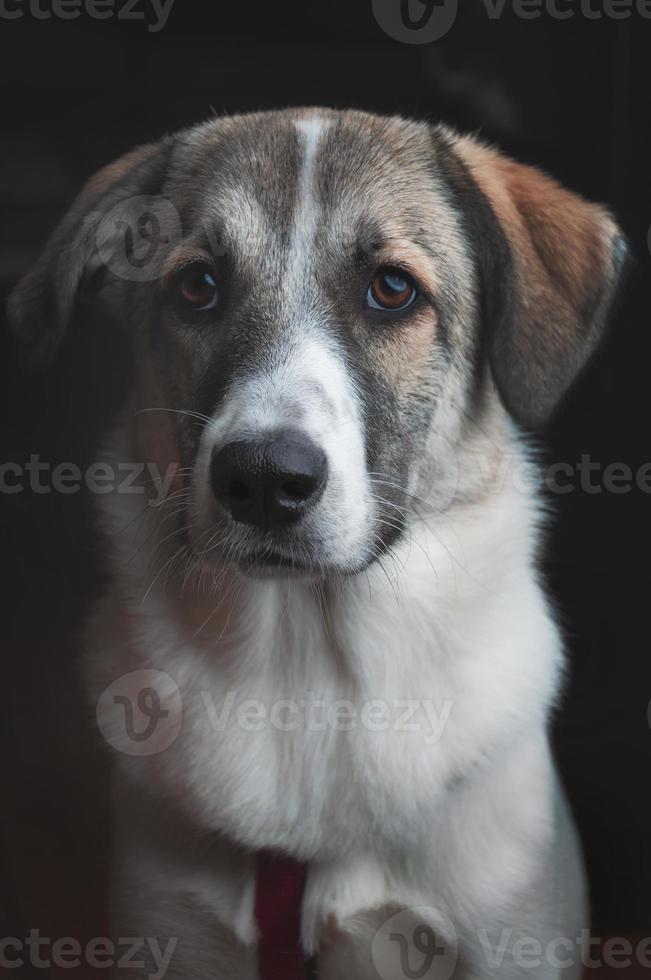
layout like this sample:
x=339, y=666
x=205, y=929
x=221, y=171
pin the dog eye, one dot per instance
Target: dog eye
x=390, y=289
x=197, y=288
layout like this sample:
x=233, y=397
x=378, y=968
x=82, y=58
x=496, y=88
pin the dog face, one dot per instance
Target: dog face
x=329, y=302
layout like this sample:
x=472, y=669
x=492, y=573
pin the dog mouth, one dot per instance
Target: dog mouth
x=277, y=563
x=274, y=563
x=293, y=555
x=307, y=561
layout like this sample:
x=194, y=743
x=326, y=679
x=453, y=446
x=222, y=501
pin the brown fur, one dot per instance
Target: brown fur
x=563, y=255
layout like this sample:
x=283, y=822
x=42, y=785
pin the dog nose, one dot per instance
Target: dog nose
x=269, y=482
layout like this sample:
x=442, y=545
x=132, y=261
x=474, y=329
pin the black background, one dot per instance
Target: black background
x=569, y=95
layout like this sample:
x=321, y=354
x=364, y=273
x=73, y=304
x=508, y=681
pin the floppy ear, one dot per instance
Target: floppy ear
x=551, y=264
x=43, y=303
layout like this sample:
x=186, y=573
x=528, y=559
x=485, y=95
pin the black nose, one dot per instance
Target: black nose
x=270, y=482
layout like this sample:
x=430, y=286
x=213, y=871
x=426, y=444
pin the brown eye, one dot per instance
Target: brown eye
x=390, y=290
x=198, y=289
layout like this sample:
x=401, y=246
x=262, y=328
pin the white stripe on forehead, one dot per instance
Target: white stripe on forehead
x=305, y=220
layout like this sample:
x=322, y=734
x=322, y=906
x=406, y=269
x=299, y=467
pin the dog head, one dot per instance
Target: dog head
x=323, y=303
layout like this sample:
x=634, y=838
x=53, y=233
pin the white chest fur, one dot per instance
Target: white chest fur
x=317, y=720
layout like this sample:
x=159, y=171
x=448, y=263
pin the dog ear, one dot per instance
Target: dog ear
x=42, y=305
x=550, y=263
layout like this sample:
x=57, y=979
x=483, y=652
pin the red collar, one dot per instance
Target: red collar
x=280, y=882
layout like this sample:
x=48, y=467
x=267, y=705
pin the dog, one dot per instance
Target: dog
x=328, y=639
